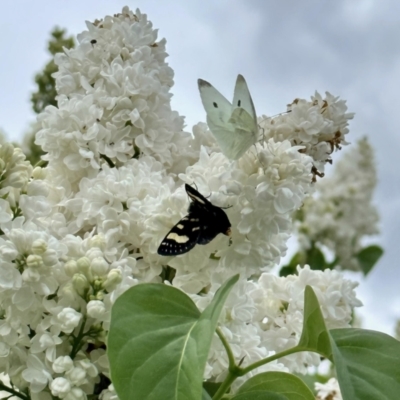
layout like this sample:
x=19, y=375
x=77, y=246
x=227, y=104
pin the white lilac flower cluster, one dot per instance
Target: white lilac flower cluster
x=342, y=213
x=79, y=232
x=272, y=309
x=319, y=126
x=329, y=390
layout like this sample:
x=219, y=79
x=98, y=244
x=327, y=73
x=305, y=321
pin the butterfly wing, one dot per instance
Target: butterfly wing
x=234, y=127
x=219, y=111
x=242, y=99
x=243, y=118
x=181, y=238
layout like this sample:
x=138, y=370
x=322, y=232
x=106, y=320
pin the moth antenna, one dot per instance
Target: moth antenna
x=225, y=208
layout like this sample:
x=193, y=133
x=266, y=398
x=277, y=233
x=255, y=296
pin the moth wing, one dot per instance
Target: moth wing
x=196, y=197
x=214, y=222
x=181, y=238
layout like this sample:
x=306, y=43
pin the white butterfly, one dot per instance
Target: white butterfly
x=233, y=125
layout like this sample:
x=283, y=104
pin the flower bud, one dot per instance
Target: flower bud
x=71, y=267
x=76, y=394
x=60, y=387
x=62, y=364
x=6, y=151
x=39, y=173
x=17, y=179
x=76, y=376
x=50, y=258
x=34, y=261
x=99, y=295
x=93, y=253
x=99, y=266
x=97, y=241
x=69, y=319
x=39, y=246
x=83, y=265
x=80, y=283
x=114, y=278
x=96, y=309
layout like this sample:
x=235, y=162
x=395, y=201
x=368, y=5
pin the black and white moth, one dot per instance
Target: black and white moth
x=200, y=226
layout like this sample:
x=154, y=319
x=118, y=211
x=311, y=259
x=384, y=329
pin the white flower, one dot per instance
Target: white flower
x=114, y=277
x=69, y=319
x=99, y=266
x=329, y=390
x=319, y=126
x=36, y=374
x=62, y=364
x=96, y=309
x=109, y=394
x=5, y=211
x=60, y=387
x=76, y=394
x=113, y=187
x=77, y=376
x=45, y=342
x=343, y=212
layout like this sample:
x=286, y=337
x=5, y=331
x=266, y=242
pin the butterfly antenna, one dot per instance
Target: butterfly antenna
x=282, y=113
x=276, y=115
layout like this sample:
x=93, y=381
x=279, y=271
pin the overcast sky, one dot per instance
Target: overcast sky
x=285, y=49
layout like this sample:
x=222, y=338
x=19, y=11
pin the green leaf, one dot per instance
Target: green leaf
x=316, y=259
x=367, y=364
x=205, y=395
x=310, y=380
x=290, y=269
x=211, y=387
x=315, y=337
x=260, y=395
x=158, y=342
x=287, y=270
x=287, y=385
x=368, y=257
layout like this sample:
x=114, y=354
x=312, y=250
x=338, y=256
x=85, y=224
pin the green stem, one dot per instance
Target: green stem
x=235, y=371
x=77, y=340
x=228, y=349
x=109, y=162
x=17, y=212
x=14, y=392
x=40, y=163
x=232, y=375
x=267, y=360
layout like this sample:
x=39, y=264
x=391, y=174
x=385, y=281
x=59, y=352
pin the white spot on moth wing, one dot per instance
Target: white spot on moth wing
x=177, y=238
x=194, y=220
x=180, y=226
x=195, y=228
x=201, y=201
